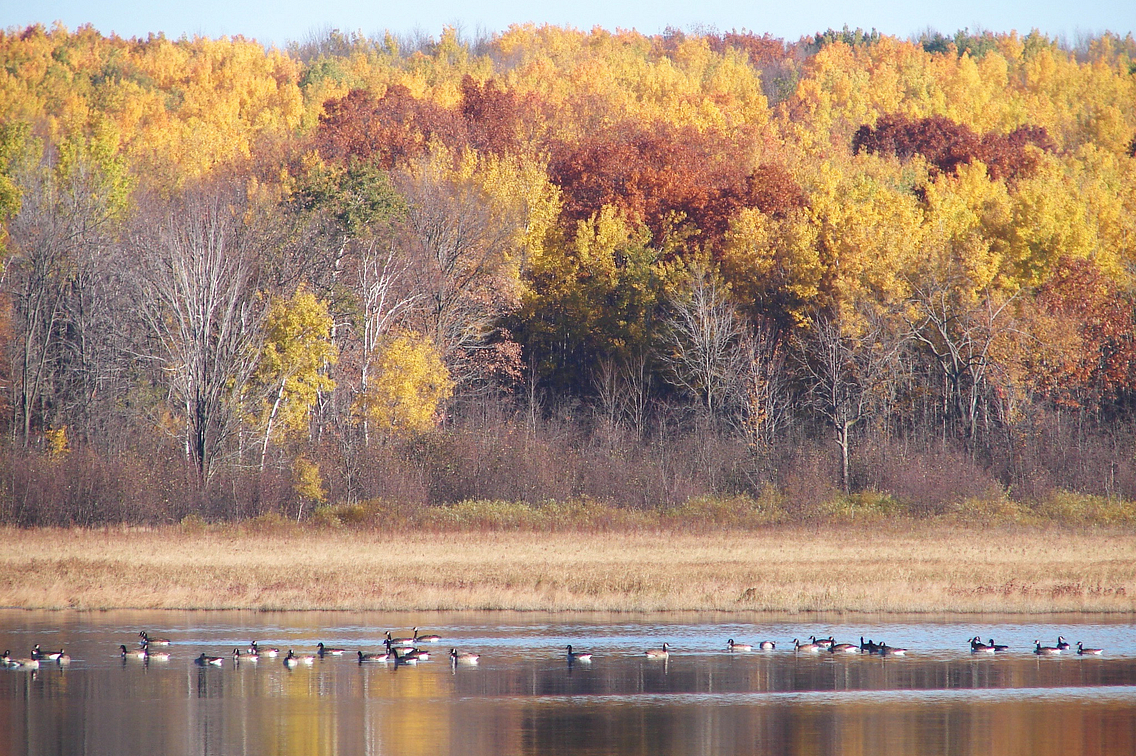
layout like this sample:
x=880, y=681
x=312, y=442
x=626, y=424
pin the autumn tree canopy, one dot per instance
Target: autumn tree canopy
x=247, y=255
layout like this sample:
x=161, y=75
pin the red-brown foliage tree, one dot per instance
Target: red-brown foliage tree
x=389, y=131
x=1104, y=369
x=654, y=173
x=946, y=145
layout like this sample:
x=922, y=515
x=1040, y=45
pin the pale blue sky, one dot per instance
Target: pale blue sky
x=285, y=20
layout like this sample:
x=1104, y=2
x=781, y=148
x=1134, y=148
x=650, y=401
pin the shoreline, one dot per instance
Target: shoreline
x=907, y=569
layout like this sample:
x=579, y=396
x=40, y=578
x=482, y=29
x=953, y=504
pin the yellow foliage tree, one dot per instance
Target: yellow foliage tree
x=307, y=483
x=297, y=350
x=409, y=384
x=773, y=265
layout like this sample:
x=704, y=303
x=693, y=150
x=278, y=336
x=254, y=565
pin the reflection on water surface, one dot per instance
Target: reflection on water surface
x=525, y=698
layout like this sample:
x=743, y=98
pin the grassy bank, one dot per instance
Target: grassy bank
x=906, y=566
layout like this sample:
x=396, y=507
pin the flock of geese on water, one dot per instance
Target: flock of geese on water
x=408, y=651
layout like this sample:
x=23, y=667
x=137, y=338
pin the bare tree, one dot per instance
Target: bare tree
x=57, y=235
x=461, y=244
x=702, y=341
x=197, y=286
x=846, y=368
x=386, y=299
x=960, y=335
x=763, y=398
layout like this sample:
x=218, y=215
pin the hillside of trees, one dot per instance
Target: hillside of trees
x=551, y=265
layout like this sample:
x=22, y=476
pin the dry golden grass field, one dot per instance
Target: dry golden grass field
x=907, y=567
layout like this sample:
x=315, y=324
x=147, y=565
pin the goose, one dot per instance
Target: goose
x=456, y=658
x=1062, y=643
x=148, y=641
x=997, y=646
x=325, y=651
x=844, y=648
x=978, y=647
x=1041, y=650
x=659, y=653
x=36, y=653
x=291, y=660
x=870, y=647
x=805, y=648
x=426, y=638
x=63, y=659
x=271, y=653
x=158, y=656
x=1081, y=650
x=209, y=661
x=886, y=650
x=373, y=657
x=406, y=657
x=767, y=645
x=138, y=654
x=402, y=642
x=731, y=646
x=6, y=659
x=580, y=656
x=27, y=663
x=249, y=656
x=823, y=642
x=52, y=655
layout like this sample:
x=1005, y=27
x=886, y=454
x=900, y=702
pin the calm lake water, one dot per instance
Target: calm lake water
x=524, y=698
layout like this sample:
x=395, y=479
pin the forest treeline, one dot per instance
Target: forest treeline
x=550, y=265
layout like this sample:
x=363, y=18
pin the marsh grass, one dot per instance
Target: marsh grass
x=486, y=556
x=703, y=513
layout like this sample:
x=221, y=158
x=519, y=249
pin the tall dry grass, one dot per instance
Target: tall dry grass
x=904, y=568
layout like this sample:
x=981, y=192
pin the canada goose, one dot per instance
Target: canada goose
x=36, y=653
x=580, y=656
x=6, y=658
x=659, y=653
x=209, y=661
x=406, y=657
x=373, y=657
x=456, y=658
x=138, y=654
x=325, y=651
x=63, y=659
x=247, y=656
x=51, y=655
x=271, y=653
x=731, y=646
x=869, y=647
x=844, y=648
x=978, y=647
x=1062, y=643
x=148, y=641
x=401, y=642
x=1041, y=650
x=997, y=646
x=156, y=656
x=823, y=642
x=767, y=645
x=27, y=663
x=291, y=660
x=805, y=648
x=1081, y=650
x=425, y=638
x=886, y=650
